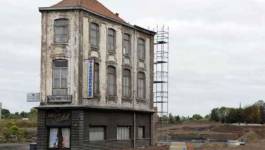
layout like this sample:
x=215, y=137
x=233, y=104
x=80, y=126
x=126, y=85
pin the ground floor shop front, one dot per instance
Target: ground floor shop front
x=93, y=129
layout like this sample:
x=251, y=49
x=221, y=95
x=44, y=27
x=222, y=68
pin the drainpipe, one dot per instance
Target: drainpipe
x=134, y=130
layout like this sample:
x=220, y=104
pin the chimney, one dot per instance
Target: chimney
x=117, y=14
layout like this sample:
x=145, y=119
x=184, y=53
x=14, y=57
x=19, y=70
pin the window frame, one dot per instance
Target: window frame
x=129, y=76
x=61, y=69
x=114, y=82
x=141, y=53
x=55, y=26
x=59, y=130
x=97, y=83
x=97, y=34
x=144, y=85
x=125, y=53
x=111, y=38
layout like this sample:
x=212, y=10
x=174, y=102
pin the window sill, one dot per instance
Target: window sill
x=111, y=52
x=61, y=44
x=127, y=99
x=94, y=48
x=140, y=100
x=112, y=98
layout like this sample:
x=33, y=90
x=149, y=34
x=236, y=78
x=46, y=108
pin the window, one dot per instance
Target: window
x=140, y=132
x=60, y=73
x=126, y=83
x=61, y=30
x=111, y=83
x=141, y=49
x=94, y=35
x=123, y=133
x=96, y=78
x=141, y=85
x=126, y=45
x=111, y=40
x=59, y=138
x=96, y=133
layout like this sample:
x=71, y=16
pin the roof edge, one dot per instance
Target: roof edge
x=94, y=107
x=138, y=28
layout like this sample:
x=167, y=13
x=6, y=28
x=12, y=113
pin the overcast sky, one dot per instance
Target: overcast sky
x=216, y=54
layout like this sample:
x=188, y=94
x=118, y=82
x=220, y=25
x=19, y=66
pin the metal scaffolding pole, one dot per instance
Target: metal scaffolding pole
x=161, y=67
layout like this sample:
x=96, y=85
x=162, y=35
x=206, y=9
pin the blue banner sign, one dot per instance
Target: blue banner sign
x=90, y=77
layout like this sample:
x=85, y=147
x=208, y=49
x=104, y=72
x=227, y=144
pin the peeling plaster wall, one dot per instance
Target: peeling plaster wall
x=51, y=51
x=77, y=55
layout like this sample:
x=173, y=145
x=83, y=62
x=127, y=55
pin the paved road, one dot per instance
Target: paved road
x=14, y=146
x=178, y=146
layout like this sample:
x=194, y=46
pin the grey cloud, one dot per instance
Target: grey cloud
x=216, y=57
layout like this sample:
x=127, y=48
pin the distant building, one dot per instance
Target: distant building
x=96, y=79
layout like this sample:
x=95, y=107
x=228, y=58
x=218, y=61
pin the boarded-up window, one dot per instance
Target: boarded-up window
x=141, y=85
x=61, y=30
x=123, y=133
x=141, y=49
x=96, y=133
x=111, y=40
x=96, y=78
x=60, y=74
x=140, y=132
x=126, y=45
x=111, y=82
x=94, y=35
x=126, y=83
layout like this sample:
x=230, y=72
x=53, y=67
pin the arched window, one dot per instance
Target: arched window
x=60, y=74
x=111, y=81
x=141, y=49
x=141, y=85
x=96, y=79
x=111, y=40
x=61, y=30
x=94, y=35
x=126, y=45
x=126, y=83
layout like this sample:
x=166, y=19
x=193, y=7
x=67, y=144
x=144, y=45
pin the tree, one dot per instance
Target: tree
x=197, y=117
x=214, y=115
x=5, y=113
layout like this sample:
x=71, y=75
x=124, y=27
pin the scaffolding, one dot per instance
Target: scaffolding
x=161, y=67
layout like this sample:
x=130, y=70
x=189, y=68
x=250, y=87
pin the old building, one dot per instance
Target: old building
x=96, y=79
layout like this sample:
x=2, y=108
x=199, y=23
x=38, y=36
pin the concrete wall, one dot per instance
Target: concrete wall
x=77, y=50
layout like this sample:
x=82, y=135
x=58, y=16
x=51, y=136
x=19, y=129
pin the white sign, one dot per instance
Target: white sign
x=33, y=97
x=90, y=77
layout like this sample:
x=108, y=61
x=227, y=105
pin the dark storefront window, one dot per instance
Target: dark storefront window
x=140, y=132
x=97, y=133
x=123, y=133
x=59, y=138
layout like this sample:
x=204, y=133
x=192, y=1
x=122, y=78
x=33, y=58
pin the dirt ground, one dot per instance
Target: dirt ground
x=259, y=145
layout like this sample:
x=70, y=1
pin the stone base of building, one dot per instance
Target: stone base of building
x=71, y=129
